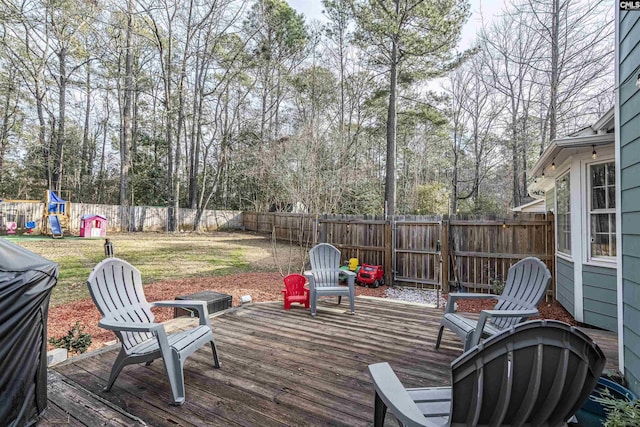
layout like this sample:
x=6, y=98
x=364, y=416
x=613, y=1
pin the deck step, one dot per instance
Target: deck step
x=70, y=401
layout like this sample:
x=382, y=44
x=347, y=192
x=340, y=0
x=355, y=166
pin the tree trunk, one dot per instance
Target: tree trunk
x=555, y=50
x=514, y=160
x=4, y=129
x=390, y=179
x=86, y=157
x=42, y=135
x=125, y=135
x=60, y=137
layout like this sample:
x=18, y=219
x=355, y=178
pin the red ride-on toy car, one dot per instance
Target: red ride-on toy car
x=370, y=275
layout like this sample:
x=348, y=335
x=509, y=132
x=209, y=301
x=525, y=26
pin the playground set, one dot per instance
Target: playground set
x=55, y=216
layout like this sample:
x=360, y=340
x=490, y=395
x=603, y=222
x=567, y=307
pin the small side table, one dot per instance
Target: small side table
x=215, y=302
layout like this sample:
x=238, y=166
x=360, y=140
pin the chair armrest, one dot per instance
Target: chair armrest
x=348, y=273
x=488, y=314
x=200, y=306
x=113, y=325
x=395, y=397
x=454, y=296
x=156, y=329
x=180, y=303
x=308, y=274
x=511, y=313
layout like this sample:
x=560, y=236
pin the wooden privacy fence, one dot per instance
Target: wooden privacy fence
x=141, y=218
x=418, y=252
x=289, y=227
x=425, y=252
x=484, y=250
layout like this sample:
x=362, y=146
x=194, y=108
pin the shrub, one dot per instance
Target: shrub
x=620, y=412
x=75, y=341
x=498, y=286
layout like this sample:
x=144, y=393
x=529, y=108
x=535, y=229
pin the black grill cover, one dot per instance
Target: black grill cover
x=26, y=281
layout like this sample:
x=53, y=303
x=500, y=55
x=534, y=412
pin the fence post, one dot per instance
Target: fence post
x=444, y=254
x=323, y=230
x=390, y=247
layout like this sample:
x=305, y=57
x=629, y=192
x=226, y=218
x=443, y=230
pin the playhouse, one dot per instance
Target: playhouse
x=92, y=225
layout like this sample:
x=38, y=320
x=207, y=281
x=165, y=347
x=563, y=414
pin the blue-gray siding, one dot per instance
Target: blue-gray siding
x=565, y=285
x=629, y=112
x=599, y=297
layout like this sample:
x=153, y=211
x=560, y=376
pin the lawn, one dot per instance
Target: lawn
x=158, y=256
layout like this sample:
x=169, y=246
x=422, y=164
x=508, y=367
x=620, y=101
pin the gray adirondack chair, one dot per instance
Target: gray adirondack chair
x=323, y=276
x=116, y=289
x=537, y=373
x=527, y=282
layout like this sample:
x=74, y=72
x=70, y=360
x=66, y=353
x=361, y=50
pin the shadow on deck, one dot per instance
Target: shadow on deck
x=279, y=368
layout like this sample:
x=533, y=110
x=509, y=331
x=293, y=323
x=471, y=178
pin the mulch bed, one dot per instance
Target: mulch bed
x=548, y=310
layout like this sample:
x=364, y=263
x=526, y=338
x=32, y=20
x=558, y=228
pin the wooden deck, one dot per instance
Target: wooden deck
x=279, y=368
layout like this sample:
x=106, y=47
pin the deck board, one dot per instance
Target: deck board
x=279, y=368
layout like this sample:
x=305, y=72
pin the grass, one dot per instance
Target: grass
x=157, y=256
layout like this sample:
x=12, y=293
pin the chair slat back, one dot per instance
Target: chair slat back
x=325, y=264
x=116, y=289
x=537, y=373
x=527, y=283
x=295, y=284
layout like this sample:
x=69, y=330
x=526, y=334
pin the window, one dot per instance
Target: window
x=563, y=216
x=602, y=209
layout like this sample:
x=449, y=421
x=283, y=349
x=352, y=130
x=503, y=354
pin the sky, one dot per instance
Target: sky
x=312, y=9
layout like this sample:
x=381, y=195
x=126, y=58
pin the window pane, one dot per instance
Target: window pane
x=600, y=246
x=601, y=238
x=611, y=174
x=613, y=245
x=602, y=210
x=600, y=223
x=611, y=192
x=563, y=217
x=598, y=200
x=596, y=250
x=612, y=218
x=597, y=175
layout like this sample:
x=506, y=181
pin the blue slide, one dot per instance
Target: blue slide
x=54, y=224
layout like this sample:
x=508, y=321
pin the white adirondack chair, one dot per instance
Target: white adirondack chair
x=323, y=277
x=527, y=283
x=116, y=289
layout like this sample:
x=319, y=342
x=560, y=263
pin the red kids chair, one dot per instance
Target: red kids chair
x=295, y=292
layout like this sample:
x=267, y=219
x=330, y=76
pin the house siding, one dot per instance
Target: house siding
x=550, y=200
x=565, y=284
x=600, y=297
x=629, y=134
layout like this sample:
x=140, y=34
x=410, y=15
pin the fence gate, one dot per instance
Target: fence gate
x=417, y=256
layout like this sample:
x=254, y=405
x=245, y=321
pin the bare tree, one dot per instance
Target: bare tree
x=508, y=52
x=475, y=113
x=577, y=61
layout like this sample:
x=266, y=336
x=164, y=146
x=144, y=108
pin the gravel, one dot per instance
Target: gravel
x=423, y=296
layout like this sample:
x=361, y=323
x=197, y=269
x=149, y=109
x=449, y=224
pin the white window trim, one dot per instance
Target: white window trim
x=563, y=255
x=600, y=261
